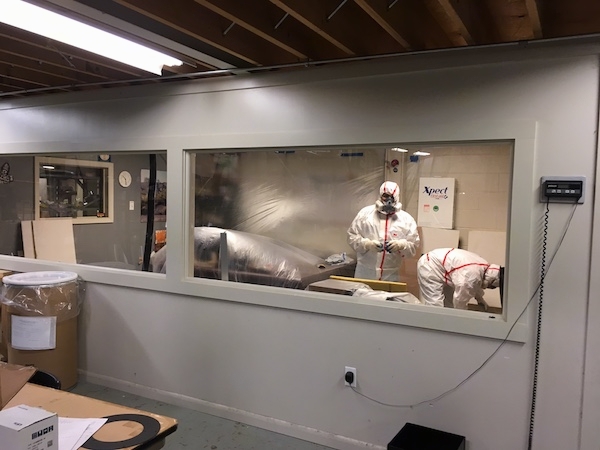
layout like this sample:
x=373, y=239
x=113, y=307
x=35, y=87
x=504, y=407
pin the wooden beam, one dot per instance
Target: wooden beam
x=534, y=16
x=450, y=21
x=306, y=16
x=376, y=12
x=62, y=75
x=19, y=75
x=245, y=17
x=198, y=22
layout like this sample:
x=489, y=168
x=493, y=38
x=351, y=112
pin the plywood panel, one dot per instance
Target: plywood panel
x=490, y=245
x=54, y=240
x=437, y=238
x=28, y=244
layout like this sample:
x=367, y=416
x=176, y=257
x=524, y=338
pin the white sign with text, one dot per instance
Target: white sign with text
x=436, y=202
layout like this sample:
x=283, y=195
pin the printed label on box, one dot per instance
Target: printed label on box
x=33, y=333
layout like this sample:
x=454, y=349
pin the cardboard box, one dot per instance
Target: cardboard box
x=27, y=428
x=12, y=378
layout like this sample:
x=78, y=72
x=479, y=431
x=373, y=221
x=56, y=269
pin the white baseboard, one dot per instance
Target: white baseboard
x=226, y=412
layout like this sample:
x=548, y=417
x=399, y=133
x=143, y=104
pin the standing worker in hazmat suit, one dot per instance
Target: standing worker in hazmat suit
x=464, y=272
x=382, y=235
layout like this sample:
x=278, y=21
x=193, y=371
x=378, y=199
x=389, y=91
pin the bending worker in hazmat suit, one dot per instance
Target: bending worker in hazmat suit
x=464, y=272
x=383, y=234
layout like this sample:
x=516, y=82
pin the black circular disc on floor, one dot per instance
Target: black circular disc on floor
x=150, y=431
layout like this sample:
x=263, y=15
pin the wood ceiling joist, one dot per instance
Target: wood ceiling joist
x=377, y=12
x=562, y=18
x=22, y=77
x=314, y=21
x=274, y=25
x=445, y=14
x=45, y=69
x=5, y=86
x=417, y=25
x=50, y=57
x=194, y=20
x=251, y=34
x=251, y=19
x=511, y=20
x=477, y=18
x=344, y=24
x=9, y=85
x=534, y=17
x=34, y=77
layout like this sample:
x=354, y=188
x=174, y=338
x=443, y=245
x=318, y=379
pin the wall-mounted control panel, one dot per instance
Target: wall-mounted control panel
x=562, y=189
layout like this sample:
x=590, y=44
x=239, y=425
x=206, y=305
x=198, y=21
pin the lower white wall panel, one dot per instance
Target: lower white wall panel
x=283, y=371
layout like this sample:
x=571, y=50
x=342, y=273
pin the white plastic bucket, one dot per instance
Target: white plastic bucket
x=48, y=278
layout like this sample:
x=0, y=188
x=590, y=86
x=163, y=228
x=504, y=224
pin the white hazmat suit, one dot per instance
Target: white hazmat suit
x=466, y=273
x=382, y=235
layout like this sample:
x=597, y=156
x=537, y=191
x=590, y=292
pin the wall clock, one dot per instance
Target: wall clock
x=125, y=179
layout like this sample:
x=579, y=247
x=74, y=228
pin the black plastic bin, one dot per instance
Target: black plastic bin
x=416, y=437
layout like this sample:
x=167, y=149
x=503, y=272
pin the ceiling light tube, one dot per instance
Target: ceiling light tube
x=34, y=19
x=419, y=153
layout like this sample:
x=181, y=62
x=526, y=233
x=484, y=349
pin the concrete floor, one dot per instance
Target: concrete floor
x=197, y=430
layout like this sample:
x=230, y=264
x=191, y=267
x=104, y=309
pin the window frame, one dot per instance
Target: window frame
x=521, y=278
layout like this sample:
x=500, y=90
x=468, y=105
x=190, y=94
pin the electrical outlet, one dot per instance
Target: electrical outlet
x=347, y=371
x=131, y=205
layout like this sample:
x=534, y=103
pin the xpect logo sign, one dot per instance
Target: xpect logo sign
x=437, y=193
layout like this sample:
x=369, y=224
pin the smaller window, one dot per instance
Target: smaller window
x=79, y=189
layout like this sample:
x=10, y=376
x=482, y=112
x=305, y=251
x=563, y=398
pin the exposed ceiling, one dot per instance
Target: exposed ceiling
x=225, y=37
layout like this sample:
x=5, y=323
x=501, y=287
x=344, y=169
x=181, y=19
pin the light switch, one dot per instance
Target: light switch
x=131, y=205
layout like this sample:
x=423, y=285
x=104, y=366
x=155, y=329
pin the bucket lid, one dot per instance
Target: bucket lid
x=39, y=278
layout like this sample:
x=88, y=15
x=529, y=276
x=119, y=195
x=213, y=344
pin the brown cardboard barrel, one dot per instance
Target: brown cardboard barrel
x=39, y=322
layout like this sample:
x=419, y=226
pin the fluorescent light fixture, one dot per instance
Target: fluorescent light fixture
x=398, y=149
x=419, y=153
x=40, y=21
x=48, y=167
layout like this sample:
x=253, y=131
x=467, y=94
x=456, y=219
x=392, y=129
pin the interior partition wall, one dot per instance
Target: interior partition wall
x=275, y=358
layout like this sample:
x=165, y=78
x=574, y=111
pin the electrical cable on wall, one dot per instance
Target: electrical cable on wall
x=539, y=327
x=484, y=363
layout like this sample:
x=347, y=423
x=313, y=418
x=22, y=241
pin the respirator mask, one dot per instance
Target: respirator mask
x=388, y=198
x=386, y=204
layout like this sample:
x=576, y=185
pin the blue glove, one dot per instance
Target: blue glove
x=396, y=245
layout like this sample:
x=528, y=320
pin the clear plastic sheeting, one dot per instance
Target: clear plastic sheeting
x=52, y=293
x=249, y=258
x=305, y=197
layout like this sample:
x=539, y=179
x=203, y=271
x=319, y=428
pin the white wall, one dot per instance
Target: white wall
x=282, y=369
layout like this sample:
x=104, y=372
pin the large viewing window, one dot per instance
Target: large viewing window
x=269, y=226
x=279, y=217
